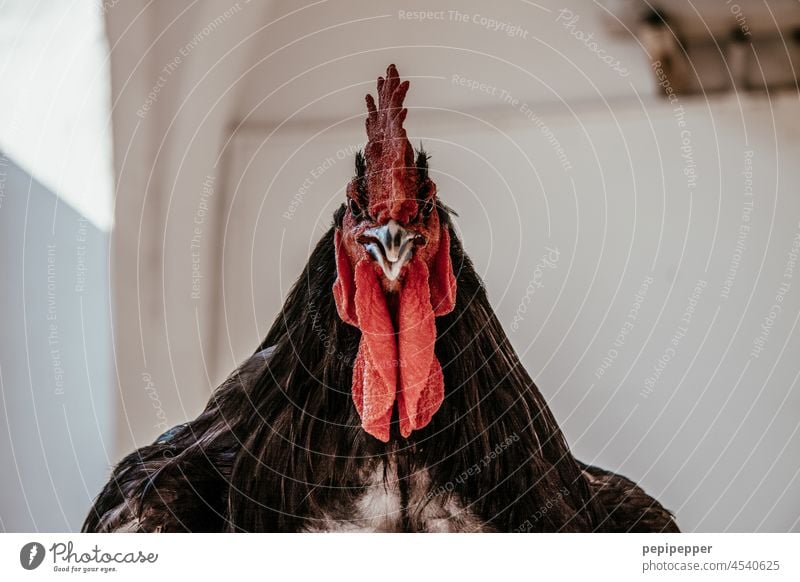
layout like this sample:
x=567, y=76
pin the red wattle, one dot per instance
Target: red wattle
x=396, y=364
x=422, y=384
x=443, y=280
x=344, y=287
x=375, y=372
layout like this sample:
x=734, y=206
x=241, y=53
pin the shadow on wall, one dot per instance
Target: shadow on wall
x=55, y=358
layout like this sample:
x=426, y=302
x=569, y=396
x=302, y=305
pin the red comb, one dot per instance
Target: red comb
x=389, y=155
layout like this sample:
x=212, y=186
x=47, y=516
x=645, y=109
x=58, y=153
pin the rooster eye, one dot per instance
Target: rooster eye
x=427, y=208
x=354, y=208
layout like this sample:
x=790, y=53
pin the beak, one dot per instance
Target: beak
x=390, y=245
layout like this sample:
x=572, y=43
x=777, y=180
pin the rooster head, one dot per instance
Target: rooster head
x=394, y=273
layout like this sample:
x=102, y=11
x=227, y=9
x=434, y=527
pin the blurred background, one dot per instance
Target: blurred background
x=625, y=174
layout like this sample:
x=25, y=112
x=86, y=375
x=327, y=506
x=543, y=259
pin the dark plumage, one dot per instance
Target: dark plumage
x=280, y=446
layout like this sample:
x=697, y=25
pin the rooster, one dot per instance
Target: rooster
x=385, y=397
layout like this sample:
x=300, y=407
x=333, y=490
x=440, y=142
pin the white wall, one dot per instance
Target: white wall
x=56, y=389
x=56, y=395
x=174, y=97
x=716, y=437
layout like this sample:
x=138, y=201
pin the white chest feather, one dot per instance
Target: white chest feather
x=380, y=508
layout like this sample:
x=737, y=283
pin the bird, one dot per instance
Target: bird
x=385, y=397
